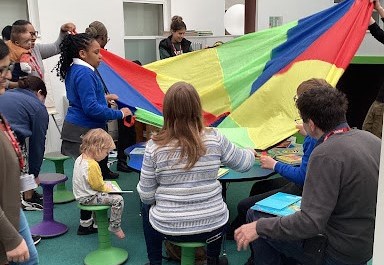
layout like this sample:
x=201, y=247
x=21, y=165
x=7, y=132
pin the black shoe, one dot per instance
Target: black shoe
x=31, y=206
x=123, y=167
x=36, y=239
x=86, y=230
x=35, y=203
x=37, y=196
x=110, y=175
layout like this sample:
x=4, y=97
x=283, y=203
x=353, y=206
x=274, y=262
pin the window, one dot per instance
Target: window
x=11, y=10
x=143, y=22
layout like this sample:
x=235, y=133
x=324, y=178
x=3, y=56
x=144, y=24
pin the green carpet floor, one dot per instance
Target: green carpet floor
x=71, y=248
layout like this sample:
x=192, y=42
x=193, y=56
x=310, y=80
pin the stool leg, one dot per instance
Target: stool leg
x=102, y=227
x=47, y=202
x=59, y=166
x=61, y=195
x=187, y=256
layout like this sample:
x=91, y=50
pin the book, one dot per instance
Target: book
x=116, y=188
x=137, y=151
x=222, y=171
x=291, y=159
x=280, y=204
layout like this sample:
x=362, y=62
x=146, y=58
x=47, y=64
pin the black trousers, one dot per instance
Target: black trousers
x=126, y=138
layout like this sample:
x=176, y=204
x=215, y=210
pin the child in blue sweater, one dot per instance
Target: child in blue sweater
x=88, y=105
x=293, y=177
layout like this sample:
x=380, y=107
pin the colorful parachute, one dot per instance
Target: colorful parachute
x=247, y=85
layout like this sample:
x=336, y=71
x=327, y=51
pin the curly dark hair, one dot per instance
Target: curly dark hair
x=69, y=49
x=325, y=106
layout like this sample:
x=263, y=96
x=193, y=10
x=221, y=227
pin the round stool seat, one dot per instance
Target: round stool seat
x=93, y=207
x=188, y=244
x=55, y=156
x=61, y=194
x=49, y=227
x=105, y=254
x=52, y=178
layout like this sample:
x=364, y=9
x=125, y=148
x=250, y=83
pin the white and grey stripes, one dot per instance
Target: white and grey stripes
x=189, y=201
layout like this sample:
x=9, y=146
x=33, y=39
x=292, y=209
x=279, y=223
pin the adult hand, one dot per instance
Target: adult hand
x=377, y=5
x=301, y=129
x=18, y=254
x=245, y=234
x=68, y=27
x=267, y=162
x=126, y=112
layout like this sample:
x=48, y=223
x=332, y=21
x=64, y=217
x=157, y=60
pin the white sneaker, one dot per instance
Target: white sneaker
x=31, y=206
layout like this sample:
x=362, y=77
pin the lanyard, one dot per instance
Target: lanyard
x=36, y=66
x=337, y=131
x=176, y=52
x=4, y=126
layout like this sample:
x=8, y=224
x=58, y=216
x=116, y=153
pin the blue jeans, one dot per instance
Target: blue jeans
x=274, y=252
x=154, y=239
x=26, y=234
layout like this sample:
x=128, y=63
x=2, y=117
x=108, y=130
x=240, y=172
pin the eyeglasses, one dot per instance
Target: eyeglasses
x=295, y=97
x=34, y=33
x=5, y=70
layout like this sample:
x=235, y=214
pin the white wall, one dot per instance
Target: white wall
x=201, y=14
x=295, y=9
x=290, y=10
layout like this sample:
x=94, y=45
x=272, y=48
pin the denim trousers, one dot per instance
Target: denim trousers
x=26, y=234
x=273, y=252
x=154, y=239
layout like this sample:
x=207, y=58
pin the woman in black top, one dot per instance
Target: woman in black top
x=175, y=44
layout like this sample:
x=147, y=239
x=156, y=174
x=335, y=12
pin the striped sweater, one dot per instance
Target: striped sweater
x=186, y=202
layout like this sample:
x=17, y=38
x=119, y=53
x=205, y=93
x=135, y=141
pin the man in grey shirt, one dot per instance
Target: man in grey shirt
x=339, y=196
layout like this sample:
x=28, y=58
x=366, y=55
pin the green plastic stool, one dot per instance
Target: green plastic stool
x=188, y=251
x=61, y=194
x=105, y=254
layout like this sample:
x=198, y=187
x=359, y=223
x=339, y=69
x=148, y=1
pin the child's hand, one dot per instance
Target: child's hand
x=267, y=162
x=109, y=186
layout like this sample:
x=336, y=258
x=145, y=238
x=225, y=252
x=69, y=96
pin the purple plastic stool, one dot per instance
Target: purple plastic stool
x=49, y=227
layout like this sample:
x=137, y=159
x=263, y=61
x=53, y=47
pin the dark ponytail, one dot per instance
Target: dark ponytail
x=33, y=83
x=69, y=49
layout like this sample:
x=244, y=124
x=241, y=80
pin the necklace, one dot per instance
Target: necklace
x=175, y=51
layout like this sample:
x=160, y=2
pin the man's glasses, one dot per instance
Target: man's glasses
x=34, y=33
x=295, y=97
x=5, y=70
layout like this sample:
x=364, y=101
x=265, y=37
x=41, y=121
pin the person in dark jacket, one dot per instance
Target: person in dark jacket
x=25, y=110
x=339, y=194
x=175, y=44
